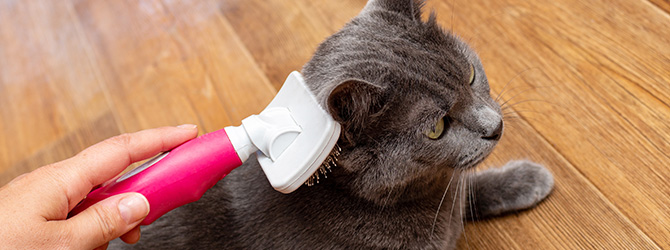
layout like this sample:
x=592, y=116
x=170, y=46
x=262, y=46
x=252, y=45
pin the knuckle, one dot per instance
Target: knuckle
x=106, y=222
x=122, y=140
x=53, y=174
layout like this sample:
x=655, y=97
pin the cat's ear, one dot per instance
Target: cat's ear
x=352, y=103
x=410, y=8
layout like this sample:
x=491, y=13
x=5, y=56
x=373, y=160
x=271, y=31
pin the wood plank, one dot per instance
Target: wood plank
x=282, y=35
x=553, y=224
x=239, y=15
x=236, y=77
x=662, y=4
x=589, y=80
x=47, y=86
x=204, y=75
x=602, y=94
x=69, y=145
x=166, y=64
x=139, y=63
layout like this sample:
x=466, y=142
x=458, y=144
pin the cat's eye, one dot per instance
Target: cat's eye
x=471, y=80
x=436, y=131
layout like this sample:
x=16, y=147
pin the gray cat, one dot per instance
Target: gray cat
x=417, y=116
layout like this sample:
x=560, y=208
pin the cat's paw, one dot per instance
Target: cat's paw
x=516, y=186
x=527, y=183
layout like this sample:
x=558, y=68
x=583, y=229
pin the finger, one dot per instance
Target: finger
x=132, y=236
x=108, y=158
x=17, y=178
x=105, y=221
x=103, y=247
x=13, y=181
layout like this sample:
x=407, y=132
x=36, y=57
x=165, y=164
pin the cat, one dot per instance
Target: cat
x=417, y=116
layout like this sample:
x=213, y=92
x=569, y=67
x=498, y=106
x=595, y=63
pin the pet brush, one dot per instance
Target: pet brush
x=293, y=138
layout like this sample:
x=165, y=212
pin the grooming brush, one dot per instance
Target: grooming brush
x=325, y=168
x=293, y=138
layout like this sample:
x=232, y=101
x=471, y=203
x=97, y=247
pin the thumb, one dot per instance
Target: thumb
x=107, y=220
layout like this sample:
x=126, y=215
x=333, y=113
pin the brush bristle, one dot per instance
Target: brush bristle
x=328, y=163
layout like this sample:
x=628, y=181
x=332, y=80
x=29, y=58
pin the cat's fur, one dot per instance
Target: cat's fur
x=387, y=77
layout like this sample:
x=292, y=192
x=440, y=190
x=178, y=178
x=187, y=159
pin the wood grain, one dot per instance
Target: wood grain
x=585, y=86
x=551, y=225
x=663, y=4
x=47, y=87
x=612, y=103
x=282, y=35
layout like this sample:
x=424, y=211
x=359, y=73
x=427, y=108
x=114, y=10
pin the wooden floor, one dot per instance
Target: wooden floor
x=589, y=83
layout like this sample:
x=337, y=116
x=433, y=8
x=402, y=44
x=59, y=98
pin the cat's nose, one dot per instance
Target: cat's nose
x=494, y=134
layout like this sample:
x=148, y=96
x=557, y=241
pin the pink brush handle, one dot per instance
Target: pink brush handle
x=180, y=177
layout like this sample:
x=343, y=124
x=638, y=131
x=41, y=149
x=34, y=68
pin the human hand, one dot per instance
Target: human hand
x=34, y=206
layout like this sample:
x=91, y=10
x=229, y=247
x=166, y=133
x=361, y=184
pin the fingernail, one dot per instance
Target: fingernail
x=133, y=207
x=188, y=126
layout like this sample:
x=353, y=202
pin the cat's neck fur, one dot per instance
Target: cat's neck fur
x=425, y=187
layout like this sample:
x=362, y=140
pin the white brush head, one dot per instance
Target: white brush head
x=290, y=155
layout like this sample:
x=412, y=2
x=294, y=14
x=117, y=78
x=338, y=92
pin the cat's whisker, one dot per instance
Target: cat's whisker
x=523, y=118
x=506, y=109
x=500, y=96
x=515, y=95
x=471, y=201
x=534, y=100
x=514, y=115
x=509, y=112
x=554, y=105
x=453, y=204
x=472, y=188
x=523, y=91
x=471, y=193
x=511, y=80
x=446, y=190
x=522, y=111
x=462, y=194
x=512, y=119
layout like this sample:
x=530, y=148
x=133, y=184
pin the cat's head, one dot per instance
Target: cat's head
x=413, y=101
